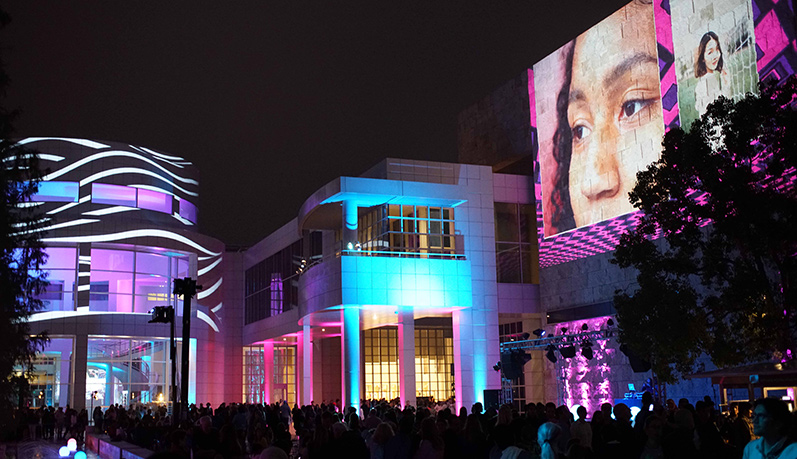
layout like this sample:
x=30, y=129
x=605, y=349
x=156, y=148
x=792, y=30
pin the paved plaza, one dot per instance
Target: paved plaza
x=38, y=449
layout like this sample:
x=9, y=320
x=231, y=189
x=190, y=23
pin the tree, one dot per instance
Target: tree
x=716, y=246
x=22, y=255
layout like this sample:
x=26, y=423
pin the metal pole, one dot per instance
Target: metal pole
x=187, y=294
x=173, y=352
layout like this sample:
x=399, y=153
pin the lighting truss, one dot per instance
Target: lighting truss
x=557, y=341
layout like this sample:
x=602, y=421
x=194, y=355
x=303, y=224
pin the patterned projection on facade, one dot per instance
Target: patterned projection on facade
x=123, y=217
x=760, y=33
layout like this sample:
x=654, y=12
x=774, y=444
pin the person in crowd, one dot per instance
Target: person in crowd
x=771, y=423
x=581, y=431
x=547, y=435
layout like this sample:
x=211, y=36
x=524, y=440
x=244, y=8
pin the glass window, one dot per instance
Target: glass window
x=50, y=191
x=111, y=282
x=151, y=263
x=119, y=195
x=111, y=260
x=60, y=258
x=188, y=211
x=154, y=200
x=516, y=243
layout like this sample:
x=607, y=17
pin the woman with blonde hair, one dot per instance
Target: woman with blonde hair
x=546, y=439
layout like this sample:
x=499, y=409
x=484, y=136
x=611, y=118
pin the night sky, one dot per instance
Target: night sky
x=272, y=99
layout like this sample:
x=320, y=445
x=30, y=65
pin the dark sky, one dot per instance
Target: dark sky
x=272, y=99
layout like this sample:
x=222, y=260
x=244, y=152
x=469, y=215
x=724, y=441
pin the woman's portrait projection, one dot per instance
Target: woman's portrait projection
x=714, y=53
x=599, y=119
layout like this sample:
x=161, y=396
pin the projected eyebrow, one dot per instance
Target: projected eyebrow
x=626, y=65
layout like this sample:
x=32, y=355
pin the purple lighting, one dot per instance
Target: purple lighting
x=587, y=381
x=154, y=200
x=188, y=211
x=102, y=193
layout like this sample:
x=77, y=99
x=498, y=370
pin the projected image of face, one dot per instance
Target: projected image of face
x=614, y=102
x=599, y=116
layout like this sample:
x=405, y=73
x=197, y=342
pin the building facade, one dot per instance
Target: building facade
x=122, y=227
x=386, y=286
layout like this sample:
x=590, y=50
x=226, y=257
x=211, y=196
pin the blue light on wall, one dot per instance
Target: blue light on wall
x=57, y=192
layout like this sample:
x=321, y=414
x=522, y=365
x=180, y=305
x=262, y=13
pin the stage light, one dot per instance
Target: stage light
x=585, y=327
x=564, y=330
x=539, y=332
x=63, y=451
x=587, y=352
x=71, y=445
x=550, y=354
x=568, y=352
x=497, y=366
x=80, y=455
x=610, y=322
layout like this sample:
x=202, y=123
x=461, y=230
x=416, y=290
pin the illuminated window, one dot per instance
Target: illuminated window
x=130, y=281
x=284, y=386
x=516, y=243
x=271, y=286
x=253, y=373
x=380, y=349
x=118, y=195
x=398, y=230
x=57, y=192
x=434, y=360
x=154, y=200
x=188, y=211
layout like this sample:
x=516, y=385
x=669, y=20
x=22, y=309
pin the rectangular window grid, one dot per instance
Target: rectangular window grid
x=434, y=359
x=380, y=359
x=400, y=230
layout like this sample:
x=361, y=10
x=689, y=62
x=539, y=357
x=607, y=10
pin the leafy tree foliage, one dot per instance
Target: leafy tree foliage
x=22, y=254
x=721, y=279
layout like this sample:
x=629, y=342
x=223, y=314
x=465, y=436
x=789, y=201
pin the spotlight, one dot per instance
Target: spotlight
x=586, y=351
x=550, y=354
x=539, y=332
x=71, y=445
x=610, y=322
x=564, y=330
x=497, y=366
x=568, y=352
x=585, y=327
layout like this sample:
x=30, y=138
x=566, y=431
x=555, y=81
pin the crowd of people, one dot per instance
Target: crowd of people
x=386, y=430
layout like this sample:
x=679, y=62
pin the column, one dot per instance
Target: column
x=268, y=371
x=351, y=357
x=406, y=353
x=306, y=356
x=64, y=372
x=349, y=223
x=79, y=356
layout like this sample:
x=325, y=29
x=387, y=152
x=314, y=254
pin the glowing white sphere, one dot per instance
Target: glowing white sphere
x=63, y=451
x=72, y=444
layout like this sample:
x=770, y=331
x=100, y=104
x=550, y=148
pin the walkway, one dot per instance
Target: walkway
x=38, y=449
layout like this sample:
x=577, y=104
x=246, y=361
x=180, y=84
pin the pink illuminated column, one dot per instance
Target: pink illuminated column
x=306, y=356
x=268, y=372
x=406, y=353
x=350, y=357
x=458, y=392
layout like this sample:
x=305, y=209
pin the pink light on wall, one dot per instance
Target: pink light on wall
x=587, y=382
x=154, y=200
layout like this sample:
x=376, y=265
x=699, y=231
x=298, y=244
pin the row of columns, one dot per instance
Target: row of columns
x=351, y=362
